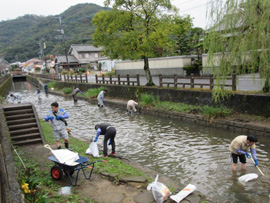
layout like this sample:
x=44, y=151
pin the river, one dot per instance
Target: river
x=184, y=151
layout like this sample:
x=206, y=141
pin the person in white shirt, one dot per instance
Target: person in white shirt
x=131, y=106
x=16, y=96
x=100, y=98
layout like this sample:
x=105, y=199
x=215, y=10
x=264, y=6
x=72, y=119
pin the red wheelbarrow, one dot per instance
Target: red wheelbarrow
x=82, y=163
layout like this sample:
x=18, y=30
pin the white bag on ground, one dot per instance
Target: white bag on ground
x=94, y=149
x=159, y=191
x=88, y=151
x=183, y=193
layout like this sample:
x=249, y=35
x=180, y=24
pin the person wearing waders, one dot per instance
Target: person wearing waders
x=74, y=94
x=239, y=147
x=109, y=133
x=57, y=117
x=38, y=93
x=100, y=98
x=16, y=96
x=46, y=89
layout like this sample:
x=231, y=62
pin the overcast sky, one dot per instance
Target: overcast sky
x=11, y=9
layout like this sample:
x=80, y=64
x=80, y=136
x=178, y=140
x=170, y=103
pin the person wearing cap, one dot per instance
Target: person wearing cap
x=109, y=133
x=239, y=148
x=131, y=106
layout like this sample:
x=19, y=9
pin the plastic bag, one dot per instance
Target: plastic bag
x=183, y=193
x=65, y=191
x=159, y=191
x=245, y=178
x=94, y=149
x=88, y=151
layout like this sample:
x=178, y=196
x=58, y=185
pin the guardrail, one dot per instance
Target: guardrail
x=76, y=78
x=47, y=76
x=118, y=80
x=192, y=81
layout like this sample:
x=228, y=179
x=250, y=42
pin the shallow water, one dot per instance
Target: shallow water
x=184, y=151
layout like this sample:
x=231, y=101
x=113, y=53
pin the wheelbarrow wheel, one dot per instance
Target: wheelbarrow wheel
x=71, y=171
x=56, y=173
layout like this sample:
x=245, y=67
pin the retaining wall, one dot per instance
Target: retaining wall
x=5, y=85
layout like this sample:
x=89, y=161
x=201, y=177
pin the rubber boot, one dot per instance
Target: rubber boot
x=59, y=147
x=66, y=145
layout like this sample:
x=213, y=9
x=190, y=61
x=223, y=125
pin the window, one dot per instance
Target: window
x=96, y=55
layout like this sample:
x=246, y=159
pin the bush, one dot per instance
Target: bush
x=147, y=99
x=52, y=84
x=67, y=90
x=93, y=92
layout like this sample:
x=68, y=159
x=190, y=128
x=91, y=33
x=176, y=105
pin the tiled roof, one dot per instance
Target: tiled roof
x=84, y=48
x=62, y=59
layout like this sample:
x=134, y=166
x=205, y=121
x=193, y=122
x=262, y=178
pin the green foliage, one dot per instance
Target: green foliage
x=109, y=73
x=52, y=84
x=93, y=92
x=138, y=30
x=147, y=99
x=238, y=41
x=67, y=90
x=212, y=112
x=23, y=44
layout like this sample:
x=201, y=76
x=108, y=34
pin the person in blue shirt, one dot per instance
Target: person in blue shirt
x=109, y=133
x=57, y=117
x=100, y=98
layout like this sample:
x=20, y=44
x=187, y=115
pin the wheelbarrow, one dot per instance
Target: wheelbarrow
x=82, y=163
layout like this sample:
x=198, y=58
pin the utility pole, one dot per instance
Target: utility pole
x=64, y=40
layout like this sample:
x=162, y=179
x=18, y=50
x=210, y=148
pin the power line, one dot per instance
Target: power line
x=194, y=7
x=184, y=2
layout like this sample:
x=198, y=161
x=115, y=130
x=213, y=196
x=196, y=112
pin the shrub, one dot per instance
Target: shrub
x=93, y=92
x=52, y=84
x=147, y=99
x=67, y=90
x=214, y=112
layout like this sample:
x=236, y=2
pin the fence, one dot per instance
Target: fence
x=76, y=78
x=118, y=80
x=176, y=81
x=47, y=76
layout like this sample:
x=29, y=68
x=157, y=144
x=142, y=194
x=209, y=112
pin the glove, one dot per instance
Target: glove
x=248, y=156
x=49, y=118
x=95, y=140
x=59, y=117
x=109, y=142
x=256, y=162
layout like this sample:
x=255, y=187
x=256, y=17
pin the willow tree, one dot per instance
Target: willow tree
x=239, y=38
x=135, y=29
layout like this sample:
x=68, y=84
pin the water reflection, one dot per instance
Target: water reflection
x=184, y=151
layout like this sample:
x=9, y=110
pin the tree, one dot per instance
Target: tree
x=240, y=33
x=135, y=29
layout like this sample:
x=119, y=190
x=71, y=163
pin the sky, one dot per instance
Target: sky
x=11, y=9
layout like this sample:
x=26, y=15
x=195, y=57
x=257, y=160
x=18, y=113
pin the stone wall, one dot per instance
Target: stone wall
x=10, y=188
x=5, y=85
x=244, y=103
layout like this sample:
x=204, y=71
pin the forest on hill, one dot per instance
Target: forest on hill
x=20, y=38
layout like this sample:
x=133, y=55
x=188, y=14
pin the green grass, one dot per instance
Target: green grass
x=67, y=90
x=109, y=73
x=93, y=92
x=113, y=166
x=210, y=112
x=52, y=84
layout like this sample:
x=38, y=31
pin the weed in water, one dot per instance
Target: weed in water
x=67, y=90
x=93, y=92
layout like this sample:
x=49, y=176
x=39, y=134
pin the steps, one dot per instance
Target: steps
x=23, y=124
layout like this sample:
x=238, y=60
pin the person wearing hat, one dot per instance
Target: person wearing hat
x=239, y=148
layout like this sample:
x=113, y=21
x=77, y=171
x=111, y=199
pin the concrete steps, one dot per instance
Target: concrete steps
x=23, y=124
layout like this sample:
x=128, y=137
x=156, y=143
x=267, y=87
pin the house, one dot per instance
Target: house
x=65, y=62
x=86, y=54
x=3, y=66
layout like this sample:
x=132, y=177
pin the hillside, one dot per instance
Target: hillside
x=19, y=38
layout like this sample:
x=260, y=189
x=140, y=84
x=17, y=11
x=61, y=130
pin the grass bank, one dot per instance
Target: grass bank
x=38, y=186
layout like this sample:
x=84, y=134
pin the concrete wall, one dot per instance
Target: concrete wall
x=10, y=188
x=164, y=65
x=244, y=103
x=5, y=85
